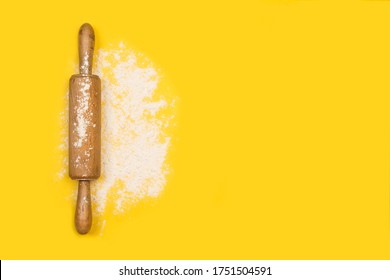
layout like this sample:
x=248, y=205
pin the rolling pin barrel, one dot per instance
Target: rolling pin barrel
x=84, y=128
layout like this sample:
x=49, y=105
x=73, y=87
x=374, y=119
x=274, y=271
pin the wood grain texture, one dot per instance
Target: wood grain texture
x=85, y=107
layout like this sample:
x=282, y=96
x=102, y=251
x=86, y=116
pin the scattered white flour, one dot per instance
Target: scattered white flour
x=83, y=121
x=134, y=131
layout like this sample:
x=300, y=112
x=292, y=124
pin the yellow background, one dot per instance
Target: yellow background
x=282, y=145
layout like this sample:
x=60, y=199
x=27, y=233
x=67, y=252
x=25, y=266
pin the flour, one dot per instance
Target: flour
x=135, y=141
x=83, y=120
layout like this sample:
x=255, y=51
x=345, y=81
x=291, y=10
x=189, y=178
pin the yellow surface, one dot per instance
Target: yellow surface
x=282, y=145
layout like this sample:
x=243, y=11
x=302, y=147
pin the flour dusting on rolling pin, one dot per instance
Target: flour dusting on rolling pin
x=84, y=128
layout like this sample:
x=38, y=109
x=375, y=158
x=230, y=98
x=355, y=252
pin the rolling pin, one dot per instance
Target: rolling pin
x=84, y=128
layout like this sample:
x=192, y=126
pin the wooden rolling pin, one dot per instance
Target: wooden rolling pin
x=84, y=128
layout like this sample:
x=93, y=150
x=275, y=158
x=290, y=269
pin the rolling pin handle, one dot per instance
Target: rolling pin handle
x=86, y=47
x=83, y=218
